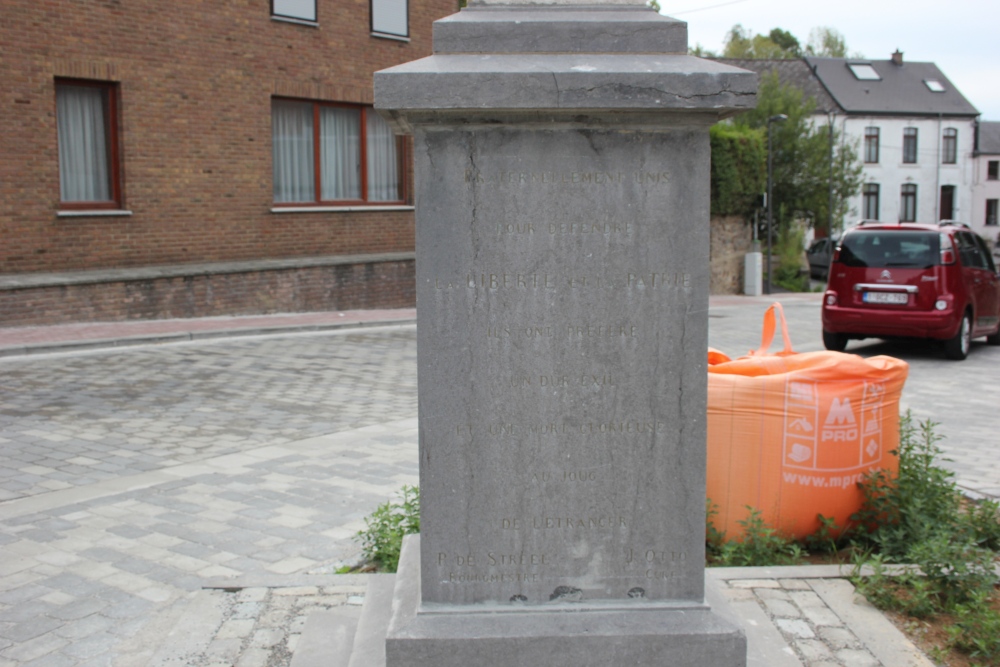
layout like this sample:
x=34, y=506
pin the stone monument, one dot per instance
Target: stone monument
x=562, y=194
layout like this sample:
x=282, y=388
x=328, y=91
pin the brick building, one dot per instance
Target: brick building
x=187, y=158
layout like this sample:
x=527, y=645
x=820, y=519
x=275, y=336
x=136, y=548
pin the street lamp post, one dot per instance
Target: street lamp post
x=770, y=195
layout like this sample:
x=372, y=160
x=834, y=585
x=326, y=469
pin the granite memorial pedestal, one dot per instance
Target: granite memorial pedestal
x=562, y=192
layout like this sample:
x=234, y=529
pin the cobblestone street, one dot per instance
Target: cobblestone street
x=134, y=477
x=185, y=504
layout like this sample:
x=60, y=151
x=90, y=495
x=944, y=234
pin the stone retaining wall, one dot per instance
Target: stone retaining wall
x=731, y=240
x=243, y=288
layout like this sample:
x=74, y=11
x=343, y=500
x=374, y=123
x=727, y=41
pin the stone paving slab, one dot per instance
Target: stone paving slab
x=95, y=335
x=89, y=567
x=813, y=621
x=78, y=420
x=132, y=478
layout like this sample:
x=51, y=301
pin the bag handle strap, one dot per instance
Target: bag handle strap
x=767, y=334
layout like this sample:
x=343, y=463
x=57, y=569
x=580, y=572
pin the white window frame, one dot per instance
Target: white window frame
x=293, y=10
x=390, y=18
x=949, y=146
x=871, y=193
x=908, y=203
x=864, y=72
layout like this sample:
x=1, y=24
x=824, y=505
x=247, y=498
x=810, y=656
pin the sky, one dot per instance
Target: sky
x=959, y=35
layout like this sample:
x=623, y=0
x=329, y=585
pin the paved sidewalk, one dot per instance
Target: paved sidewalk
x=65, y=337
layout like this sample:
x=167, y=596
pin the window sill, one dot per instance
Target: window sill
x=94, y=213
x=385, y=35
x=289, y=19
x=339, y=209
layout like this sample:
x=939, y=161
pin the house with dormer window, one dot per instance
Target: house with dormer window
x=914, y=130
x=916, y=136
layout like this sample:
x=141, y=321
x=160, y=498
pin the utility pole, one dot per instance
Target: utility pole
x=770, y=194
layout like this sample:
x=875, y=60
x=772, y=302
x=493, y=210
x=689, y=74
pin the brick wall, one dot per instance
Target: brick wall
x=195, y=81
x=334, y=286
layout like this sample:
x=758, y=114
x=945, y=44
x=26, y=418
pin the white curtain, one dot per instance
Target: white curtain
x=383, y=163
x=390, y=17
x=292, y=134
x=83, y=144
x=340, y=154
x=300, y=9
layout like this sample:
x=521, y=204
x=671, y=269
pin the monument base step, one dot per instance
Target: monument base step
x=366, y=647
x=458, y=636
x=349, y=636
x=327, y=639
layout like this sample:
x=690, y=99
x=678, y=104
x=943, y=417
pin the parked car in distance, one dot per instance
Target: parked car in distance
x=909, y=280
x=818, y=255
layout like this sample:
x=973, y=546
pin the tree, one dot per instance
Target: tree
x=827, y=43
x=823, y=41
x=743, y=43
x=701, y=52
x=802, y=156
x=787, y=41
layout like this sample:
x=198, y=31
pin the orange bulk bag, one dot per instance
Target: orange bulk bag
x=791, y=434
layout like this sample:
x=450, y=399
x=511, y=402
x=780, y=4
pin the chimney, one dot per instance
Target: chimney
x=897, y=58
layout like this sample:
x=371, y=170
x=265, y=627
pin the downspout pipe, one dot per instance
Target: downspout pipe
x=937, y=171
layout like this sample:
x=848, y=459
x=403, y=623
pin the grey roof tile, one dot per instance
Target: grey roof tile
x=989, y=138
x=901, y=89
x=795, y=72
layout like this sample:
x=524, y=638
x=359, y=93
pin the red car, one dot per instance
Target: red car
x=912, y=281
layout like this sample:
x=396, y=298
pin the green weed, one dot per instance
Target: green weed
x=977, y=630
x=827, y=538
x=759, y=545
x=382, y=538
x=920, y=517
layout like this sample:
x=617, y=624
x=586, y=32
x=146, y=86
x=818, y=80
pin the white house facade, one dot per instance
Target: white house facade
x=915, y=134
x=986, y=184
x=914, y=169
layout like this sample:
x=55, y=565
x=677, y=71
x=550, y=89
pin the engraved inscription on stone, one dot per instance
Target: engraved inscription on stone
x=556, y=178
x=651, y=280
x=569, y=280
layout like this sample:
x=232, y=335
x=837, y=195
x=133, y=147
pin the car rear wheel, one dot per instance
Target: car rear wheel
x=994, y=339
x=834, y=341
x=957, y=348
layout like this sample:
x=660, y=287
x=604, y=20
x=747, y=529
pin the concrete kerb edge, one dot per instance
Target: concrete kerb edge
x=358, y=581
x=187, y=336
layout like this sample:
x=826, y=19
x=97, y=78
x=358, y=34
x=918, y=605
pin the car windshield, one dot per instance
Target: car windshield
x=881, y=249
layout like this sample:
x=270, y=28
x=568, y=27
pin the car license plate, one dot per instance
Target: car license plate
x=899, y=298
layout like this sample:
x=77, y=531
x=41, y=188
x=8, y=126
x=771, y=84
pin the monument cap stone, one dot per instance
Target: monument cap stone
x=553, y=29
x=556, y=62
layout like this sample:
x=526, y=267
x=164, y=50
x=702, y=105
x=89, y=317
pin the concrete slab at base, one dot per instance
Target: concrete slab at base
x=328, y=638
x=369, y=642
x=567, y=634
